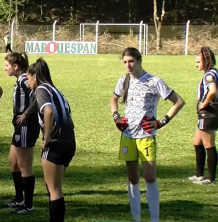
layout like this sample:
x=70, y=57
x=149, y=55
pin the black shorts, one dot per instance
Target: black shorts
x=60, y=153
x=208, y=123
x=25, y=136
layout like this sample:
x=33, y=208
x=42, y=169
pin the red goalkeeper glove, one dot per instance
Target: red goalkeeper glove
x=121, y=122
x=150, y=124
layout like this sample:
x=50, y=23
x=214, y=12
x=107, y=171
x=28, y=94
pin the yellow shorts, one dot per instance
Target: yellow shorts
x=133, y=149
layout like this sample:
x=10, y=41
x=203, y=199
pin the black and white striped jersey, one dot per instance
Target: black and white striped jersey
x=63, y=128
x=209, y=78
x=22, y=98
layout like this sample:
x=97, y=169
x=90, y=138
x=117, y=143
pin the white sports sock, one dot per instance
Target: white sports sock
x=134, y=199
x=153, y=201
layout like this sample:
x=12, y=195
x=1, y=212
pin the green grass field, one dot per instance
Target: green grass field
x=95, y=183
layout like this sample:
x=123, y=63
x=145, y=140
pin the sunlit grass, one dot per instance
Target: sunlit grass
x=95, y=182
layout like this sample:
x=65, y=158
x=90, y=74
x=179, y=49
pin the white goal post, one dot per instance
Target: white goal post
x=142, y=34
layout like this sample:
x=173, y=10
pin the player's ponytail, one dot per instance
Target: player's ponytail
x=208, y=57
x=125, y=87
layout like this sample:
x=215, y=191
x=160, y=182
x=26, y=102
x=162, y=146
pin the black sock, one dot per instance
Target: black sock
x=211, y=162
x=18, y=185
x=200, y=159
x=28, y=185
x=57, y=210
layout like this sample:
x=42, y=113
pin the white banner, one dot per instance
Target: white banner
x=61, y=47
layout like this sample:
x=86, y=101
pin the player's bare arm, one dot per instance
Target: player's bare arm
x=121, y=122
x=178, y=103
x=210, y=96
x=48, y=122
x=114, y=103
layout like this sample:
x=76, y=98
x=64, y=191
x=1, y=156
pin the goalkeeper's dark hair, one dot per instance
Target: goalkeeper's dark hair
x=208, y=58
x=20, y=59
x=41, y=70
x=130, y=51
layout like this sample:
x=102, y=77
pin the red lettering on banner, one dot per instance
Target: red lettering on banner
x=47, y=47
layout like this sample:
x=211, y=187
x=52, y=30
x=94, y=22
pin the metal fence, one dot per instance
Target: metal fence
x=113, y=39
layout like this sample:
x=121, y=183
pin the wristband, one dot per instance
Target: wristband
x=116, y=115
x=164, y=120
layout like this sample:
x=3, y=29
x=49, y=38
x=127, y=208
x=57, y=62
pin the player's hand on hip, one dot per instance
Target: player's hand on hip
x=121, y=122
x=45, y=143
x=201, y=106
x=151, y=124
x=20, y=119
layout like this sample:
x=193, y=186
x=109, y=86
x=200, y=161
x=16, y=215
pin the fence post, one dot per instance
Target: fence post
x=96, y=33
x=12, y=34
x=146, y=39
x=186, y=37
x=53, y=36
x=80, y=32
x=140, y=36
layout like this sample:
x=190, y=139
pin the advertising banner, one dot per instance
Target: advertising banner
x=61, y=47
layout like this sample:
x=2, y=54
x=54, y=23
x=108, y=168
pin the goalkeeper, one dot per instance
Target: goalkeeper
x=140, y=92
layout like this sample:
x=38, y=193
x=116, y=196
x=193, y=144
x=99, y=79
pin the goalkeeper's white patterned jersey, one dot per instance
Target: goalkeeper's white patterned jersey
x=142, y=99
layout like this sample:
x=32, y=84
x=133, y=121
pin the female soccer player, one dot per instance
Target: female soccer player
x=140, y=91
x=59, y=145
x=26, y=132
x=207, y=110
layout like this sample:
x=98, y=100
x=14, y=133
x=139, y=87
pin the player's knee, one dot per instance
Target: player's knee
x=133, y=179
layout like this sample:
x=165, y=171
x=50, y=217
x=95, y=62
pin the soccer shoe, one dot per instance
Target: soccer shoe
x=195, y=178
x=22, y=210
x=13, y=203
x=205, y=182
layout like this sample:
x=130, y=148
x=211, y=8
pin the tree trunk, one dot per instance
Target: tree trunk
x=23, y=12
x=16, y=14
x=131, y=11
x=158, y=23
x=215, y=13
x=73, y=12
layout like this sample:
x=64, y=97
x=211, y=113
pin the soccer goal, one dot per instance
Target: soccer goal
x=139, y=29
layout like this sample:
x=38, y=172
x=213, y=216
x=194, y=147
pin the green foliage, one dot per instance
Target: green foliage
x=6, y=11
x=95, y=183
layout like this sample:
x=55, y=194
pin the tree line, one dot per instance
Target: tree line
x=73, y=12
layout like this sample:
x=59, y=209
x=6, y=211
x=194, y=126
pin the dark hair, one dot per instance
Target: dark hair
x=130, y=51
x=42, y=72
x=208, y=57
x=20, y=59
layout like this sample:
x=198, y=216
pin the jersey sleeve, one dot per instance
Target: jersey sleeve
x=43, y=97
x=118, y=91
x=162, y=89
x=25, y=86
x=209, y=78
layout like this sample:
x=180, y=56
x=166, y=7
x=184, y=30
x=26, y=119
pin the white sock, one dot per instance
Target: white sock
x=153, y=201
x=134, y=200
